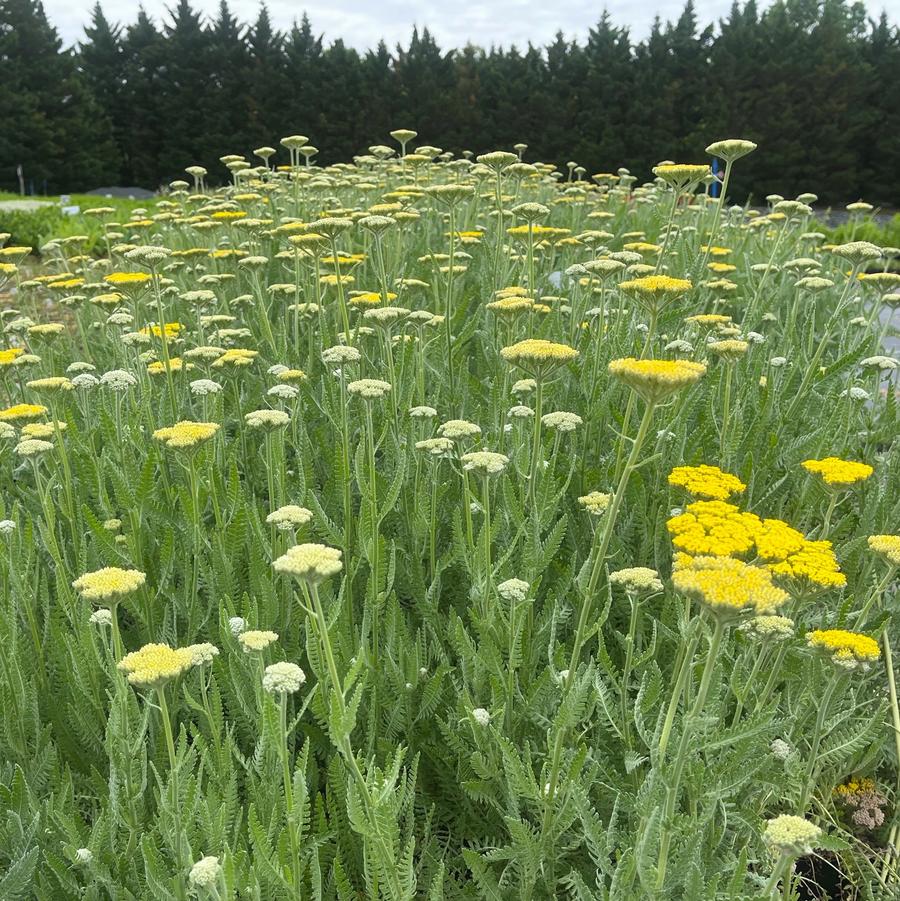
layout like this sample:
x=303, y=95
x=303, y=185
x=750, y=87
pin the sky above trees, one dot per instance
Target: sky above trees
x=362, y=23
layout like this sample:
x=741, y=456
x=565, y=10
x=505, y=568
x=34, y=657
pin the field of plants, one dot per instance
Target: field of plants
x=435, y=527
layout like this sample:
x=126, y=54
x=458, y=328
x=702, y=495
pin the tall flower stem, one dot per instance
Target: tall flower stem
x=812, y=760
x=289, y=795
x=374, y=561
x=343, y=744
x=176, y=794
x=682, y=752
x=587, y=599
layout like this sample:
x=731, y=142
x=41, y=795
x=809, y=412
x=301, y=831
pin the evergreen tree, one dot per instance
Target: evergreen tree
x=102, y=63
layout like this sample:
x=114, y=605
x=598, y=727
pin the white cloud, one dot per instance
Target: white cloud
x=361, y=23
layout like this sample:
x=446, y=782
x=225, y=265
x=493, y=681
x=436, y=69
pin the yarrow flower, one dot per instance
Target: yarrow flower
x=562, y=421
x=888, y=546
x=513, y=590
x=205, y=872
x=850, y=650
x=838, y=473
x=770, y=626
x=655, y=380
x=595, y=502
x=369, y=389
x=485, y=462
x=727, y=586
x=706, y=481
x=186, y=434
x=32, y=447
x=155, y=664
x=538, y=353
x=312, y=563
x=456, y=429
x=637, y=579
x=267, y=419
x=256, y=639
x=791, y=836
x=289, y=517
x=20, y=412
x=109, y=583
x=283, y=678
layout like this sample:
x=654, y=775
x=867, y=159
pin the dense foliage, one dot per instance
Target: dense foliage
x=811, y=80
x=489, y=536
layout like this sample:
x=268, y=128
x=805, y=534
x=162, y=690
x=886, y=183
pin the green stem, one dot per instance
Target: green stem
x=682, y=753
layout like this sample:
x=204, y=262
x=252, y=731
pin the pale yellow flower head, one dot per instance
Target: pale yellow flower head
x=186, y=434
x=155, y=664
x=538, y=353
x=888, y=546
x=109, y=583
x=311, y=563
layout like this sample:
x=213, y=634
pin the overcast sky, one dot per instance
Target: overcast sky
x=361, y=23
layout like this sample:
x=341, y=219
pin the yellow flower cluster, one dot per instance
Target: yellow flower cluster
x=22, y=411
x=9, y=355
x=719, y=529
x=169, y=329
x=728, y=586
x=713, y=528
x=186, y=434
x=814, y=563
x=155, y=664
x=886, y=545
x=310, y=562
x=124, y=279
x=848, y=649
x=656, y=286
x=537, y=352
x=109, y=583
x=655, y=380
x=235, y=356
x=706, y=481
x=838, y=473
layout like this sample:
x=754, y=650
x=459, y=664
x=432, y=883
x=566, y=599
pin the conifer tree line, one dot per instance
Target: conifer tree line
x=813, y=82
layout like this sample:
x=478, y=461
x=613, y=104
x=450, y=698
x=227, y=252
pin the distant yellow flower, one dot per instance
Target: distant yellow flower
x=848, y=649
x=538, y=353
x=709, y=319
x=46, y=329
x=235, y=357
x=186, y=434
x=22, y=412
x=730, y=349
x=155, y=664
x=681, y=175
x=311, y=563
x=655, y=380
x=8, y=356
x=51, y=383
x=256, y=640
x=706, y=481
x=656, y=290
x=109, y=583
x=171, y=329
x=838, y=473
x=728, y=586
x=127, y=279
x=595, y=502
x=175, y=365
x=886, y=545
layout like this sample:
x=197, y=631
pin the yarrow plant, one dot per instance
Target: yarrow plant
x=431, y=525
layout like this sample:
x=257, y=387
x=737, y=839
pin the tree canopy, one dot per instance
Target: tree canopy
x=808, y=80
